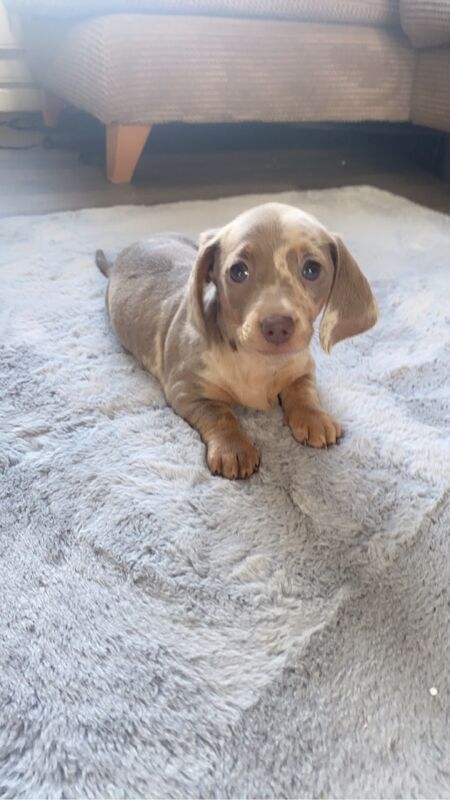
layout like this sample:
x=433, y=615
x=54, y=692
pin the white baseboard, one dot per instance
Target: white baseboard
x=19, y=98
x=14, y=69
x=17, y=92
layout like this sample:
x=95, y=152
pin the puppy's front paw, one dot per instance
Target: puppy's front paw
x=232, y=456
x=314, y=428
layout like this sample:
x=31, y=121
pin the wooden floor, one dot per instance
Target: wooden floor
x=66, y=169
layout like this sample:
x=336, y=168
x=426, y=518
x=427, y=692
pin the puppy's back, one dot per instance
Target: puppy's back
x=146, y=285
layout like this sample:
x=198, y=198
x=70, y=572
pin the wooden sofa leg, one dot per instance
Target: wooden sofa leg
x=51, y=108
x=124, y=145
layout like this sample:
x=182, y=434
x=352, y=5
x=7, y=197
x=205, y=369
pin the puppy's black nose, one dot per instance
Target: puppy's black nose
x=277, y=329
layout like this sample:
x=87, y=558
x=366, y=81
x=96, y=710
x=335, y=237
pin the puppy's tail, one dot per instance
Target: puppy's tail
x=102, y=263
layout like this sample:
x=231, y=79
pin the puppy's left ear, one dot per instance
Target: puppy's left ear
x=202, y=308
x=207, y=237
x=351, y=307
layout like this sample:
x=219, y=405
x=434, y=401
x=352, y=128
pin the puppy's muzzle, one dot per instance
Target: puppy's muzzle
x=277, y=329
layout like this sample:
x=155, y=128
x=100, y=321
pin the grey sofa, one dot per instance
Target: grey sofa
x=143, y=62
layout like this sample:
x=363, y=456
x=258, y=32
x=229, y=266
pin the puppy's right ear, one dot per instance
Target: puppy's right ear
x=203, y=309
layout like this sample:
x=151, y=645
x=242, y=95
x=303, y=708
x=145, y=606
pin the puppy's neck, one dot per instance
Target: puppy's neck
x=248, y=378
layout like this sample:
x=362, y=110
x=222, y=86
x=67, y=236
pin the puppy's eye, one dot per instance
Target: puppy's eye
x=239, y=272
x=311, y=270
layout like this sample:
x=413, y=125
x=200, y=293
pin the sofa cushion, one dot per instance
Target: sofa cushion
x=358, y=12
x=426, y=22
x=148, y=69
x=431, y=92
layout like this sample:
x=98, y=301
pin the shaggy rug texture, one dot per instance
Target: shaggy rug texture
x=165, y=633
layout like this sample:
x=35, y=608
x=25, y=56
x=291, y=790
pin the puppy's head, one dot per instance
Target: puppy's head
x=270, y=273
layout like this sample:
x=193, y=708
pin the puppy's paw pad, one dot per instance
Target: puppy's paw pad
x=315, y=428
x=234, y=459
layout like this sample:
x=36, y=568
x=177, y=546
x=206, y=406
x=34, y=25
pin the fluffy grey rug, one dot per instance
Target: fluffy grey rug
x=169, y=634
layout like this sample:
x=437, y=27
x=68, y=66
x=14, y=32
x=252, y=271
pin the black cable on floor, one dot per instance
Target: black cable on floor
x=14, y=124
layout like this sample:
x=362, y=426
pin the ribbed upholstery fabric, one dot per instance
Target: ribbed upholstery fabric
x=431, y=94
x=369, y=12
x=426, y=22
x=141, y=68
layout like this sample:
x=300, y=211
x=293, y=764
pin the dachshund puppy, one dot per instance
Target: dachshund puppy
x=229, y=322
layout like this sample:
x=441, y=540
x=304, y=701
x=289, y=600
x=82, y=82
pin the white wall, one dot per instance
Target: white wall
x=17, y=92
